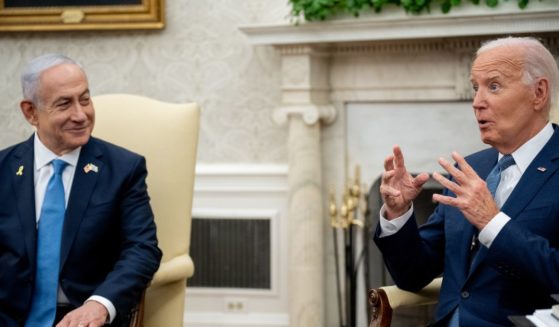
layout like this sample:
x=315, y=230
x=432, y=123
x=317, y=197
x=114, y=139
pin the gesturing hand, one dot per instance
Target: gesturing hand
x=398, y=188
x=473, y=198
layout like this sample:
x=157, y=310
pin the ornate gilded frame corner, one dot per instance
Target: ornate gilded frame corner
x=118, y=15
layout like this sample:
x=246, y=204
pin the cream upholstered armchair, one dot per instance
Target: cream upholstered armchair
x=387, y=298
x=167, y=135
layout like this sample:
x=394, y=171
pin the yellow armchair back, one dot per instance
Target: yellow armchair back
x=166, y=134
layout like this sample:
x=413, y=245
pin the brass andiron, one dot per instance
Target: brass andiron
x=349, y=219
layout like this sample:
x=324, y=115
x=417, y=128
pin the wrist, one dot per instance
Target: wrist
x=392, y=213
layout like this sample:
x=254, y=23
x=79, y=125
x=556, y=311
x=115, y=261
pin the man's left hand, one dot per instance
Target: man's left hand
x=473, y=198
x=90, y=314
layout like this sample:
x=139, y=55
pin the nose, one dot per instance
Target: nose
x=479, y=101
x=79, y=114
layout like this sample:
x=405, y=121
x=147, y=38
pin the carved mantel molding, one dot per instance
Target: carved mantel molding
x=465, y=21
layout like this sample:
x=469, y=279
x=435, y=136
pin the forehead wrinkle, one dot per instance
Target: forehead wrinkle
x=505, y=64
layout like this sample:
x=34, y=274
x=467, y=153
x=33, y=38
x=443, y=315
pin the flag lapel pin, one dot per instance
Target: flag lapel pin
x=90, y=167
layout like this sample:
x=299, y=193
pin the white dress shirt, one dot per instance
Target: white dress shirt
x=523, y=156
x=42, y=172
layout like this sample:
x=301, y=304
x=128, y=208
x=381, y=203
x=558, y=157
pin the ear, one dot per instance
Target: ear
x=29, y=111
x=541, y=94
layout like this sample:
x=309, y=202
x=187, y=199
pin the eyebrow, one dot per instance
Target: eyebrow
x=492, y=77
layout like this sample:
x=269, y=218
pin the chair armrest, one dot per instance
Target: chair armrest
x=173, y=270
x=382, y=300
x=399, y=298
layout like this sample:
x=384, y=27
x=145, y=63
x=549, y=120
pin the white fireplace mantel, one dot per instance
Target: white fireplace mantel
x=464, y=21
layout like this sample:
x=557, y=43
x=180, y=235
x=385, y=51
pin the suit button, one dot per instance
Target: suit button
x=465, y=295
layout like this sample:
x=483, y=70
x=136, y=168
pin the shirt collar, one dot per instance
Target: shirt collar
x=524, y=155
x=43, y=156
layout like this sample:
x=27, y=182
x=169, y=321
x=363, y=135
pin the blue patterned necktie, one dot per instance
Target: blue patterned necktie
x=43, y=305
x=494, y=176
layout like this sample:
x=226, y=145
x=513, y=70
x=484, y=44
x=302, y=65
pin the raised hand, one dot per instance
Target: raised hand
x=473, y=198
x=398, y=187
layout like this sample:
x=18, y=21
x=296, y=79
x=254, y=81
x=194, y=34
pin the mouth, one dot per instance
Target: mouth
x=78, y=129
x=483, y=123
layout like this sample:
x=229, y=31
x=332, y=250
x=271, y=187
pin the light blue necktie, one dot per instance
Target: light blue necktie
x=494, y=176
x=43, y=305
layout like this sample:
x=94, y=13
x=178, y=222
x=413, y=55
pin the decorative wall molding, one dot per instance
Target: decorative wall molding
x=240, y=178
x=311, y=114
x=539, y=17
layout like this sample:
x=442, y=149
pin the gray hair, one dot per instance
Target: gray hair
x=539, y=62
x=32, y=72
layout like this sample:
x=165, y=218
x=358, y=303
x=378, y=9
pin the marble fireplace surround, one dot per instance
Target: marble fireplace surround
x=387, y=58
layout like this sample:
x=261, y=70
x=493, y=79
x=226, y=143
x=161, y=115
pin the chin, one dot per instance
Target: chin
x=487, y=140
x=80, y=141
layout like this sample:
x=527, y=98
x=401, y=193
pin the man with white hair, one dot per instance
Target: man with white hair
x=77, y=237
x=494, y=236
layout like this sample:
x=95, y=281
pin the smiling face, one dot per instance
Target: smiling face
x=507, y=110
x=63, y=113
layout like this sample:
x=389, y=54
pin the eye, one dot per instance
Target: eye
x=475, y=87
x=63, y=105
x=84, y=101
x=493, y=87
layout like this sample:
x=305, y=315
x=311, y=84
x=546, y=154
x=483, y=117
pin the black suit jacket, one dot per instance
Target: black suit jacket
x=109, y=245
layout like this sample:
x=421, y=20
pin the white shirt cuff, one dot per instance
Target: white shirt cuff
x=488, y=234
x=107, y=304
x=391, y=227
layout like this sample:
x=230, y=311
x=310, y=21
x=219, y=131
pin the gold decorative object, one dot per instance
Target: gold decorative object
x=349, y=219
x=72, y=16
x=352, y=204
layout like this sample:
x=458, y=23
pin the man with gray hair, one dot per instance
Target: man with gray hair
x=494, y=236
x=77, y=237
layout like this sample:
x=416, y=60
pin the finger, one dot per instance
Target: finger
x=453, y=171
x=387, y=175
x=389, y=163
x=463, y=165
x=445, y=182
x=420, y=179
x=389, y=191
x=398, y=157
x=448, y=200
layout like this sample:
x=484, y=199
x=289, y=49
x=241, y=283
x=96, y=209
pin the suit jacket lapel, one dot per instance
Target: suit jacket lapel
x=82, y=188
x=533, y=178
x=24, y=189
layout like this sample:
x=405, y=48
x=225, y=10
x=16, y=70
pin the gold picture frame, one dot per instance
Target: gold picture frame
x=67, y=15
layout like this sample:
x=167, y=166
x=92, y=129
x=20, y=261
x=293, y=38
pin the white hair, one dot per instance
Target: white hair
x=32, y=72
x=539, y=62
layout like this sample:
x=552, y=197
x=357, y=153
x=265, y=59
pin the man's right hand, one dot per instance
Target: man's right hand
x=398, y=187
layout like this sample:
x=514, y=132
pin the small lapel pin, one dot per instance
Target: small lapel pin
x=542, y=169
x=90, y=167
x=19, y=171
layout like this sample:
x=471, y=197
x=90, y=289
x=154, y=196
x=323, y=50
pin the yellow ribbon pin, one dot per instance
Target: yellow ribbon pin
x=19, y=171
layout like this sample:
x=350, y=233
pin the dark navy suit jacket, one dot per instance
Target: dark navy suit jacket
x=109, y=245
x=515, y=276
